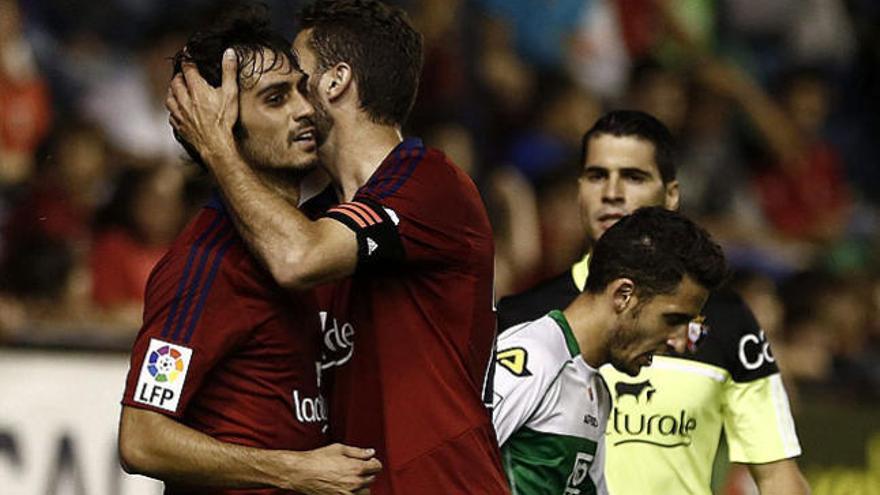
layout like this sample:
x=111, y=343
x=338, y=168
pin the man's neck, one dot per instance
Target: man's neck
x=284, y=183
x=356, y=150
x=589, y=323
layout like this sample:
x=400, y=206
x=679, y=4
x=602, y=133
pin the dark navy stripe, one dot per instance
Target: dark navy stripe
x=403, y=153
x=207, y=288
x=196, y=281
x=186, y=269
x=376, y=184
x=411, y=166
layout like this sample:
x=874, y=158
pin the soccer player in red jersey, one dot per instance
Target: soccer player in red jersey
x=409, y=335
x=224, y=385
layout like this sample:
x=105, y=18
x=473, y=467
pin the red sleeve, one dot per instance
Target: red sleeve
x=426, y=205
x=192, y=319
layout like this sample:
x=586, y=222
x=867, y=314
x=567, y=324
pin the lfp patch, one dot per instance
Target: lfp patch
x=163, y=375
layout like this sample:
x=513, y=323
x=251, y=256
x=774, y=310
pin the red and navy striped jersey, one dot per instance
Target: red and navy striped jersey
x=226, y=351
x=410, y=335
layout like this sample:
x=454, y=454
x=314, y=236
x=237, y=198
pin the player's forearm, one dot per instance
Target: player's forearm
x=155, y=445
x=779, y=477
x=276, y=231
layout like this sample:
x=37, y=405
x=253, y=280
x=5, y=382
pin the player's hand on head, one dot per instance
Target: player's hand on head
x=335, y=470
x=202, y=114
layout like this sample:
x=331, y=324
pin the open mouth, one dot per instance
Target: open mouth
x=305, y=136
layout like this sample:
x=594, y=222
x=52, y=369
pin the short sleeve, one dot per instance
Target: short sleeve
x=375, y=228
x=194, y=314
x=418, y=206
x=758, y=421
x=524, y=371
x=735, y=341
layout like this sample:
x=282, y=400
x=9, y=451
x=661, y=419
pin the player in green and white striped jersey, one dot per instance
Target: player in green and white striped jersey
x=650, y=275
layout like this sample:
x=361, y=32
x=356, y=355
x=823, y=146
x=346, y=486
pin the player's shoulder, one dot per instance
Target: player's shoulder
x=735, y=342
x=540, y=347
x=553, y=293
x=413, y=170
x=209, y=246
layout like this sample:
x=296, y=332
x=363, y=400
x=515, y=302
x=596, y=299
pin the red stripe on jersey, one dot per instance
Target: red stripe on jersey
x=359, y=212
x=354, y=216
x=366, y=210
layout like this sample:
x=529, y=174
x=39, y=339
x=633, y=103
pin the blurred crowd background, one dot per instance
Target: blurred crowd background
x=775, y=104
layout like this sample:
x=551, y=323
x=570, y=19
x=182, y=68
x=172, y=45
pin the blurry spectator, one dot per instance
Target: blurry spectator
x=43, y=285
x=805, y=348
x=134, y=231
x=541, y=30
x=129, y=105
x=821, y=33
x=597, y=56
x=65, y=190
x=517, y=229
x=761, y=296
x=803, y=193
x=552, y=142
x=25, y=112
x=445, y=87
x=714, y=176
x=666, y=28
x=846, y=308
x=457, y=143
x=562, y=233
x=801, y=31
x=661, y=92
x=641, y=24
x=507, y=85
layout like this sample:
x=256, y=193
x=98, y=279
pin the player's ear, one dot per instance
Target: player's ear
x=623, y=294
x=671, y=199
x=338, y=79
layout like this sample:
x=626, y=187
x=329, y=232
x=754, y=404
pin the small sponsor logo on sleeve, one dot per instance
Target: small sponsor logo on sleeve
x=515, y=360
x=163, y=375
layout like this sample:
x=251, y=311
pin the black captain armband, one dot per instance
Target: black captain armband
x=375, y=228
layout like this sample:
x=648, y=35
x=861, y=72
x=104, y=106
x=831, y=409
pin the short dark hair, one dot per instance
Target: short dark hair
x=246, y=29
x=655, y=248
x=381, y=46
x=641, y=125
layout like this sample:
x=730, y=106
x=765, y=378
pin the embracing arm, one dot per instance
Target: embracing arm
x=779, y=477
x=155, y=445
x=298, y=252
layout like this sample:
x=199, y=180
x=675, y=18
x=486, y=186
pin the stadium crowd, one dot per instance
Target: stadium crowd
x=774, y=105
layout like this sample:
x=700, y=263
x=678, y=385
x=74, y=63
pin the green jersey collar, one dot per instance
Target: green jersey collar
x=573, y=347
